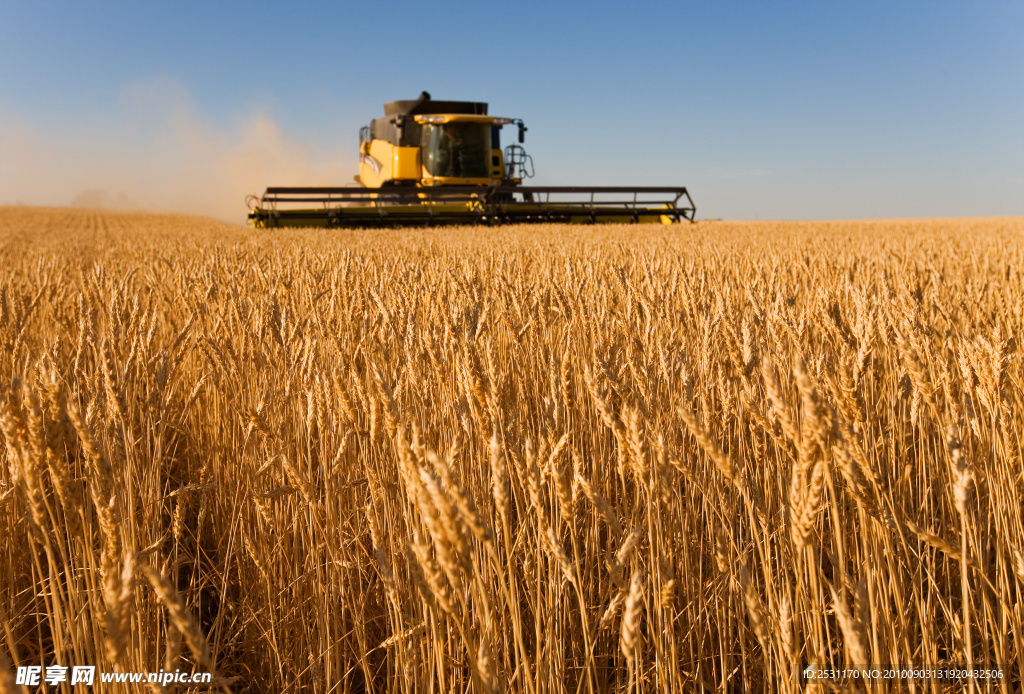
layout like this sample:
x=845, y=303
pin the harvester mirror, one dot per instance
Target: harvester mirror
x=522, y=133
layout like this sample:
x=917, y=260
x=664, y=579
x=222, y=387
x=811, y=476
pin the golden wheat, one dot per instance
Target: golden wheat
x=555, y=458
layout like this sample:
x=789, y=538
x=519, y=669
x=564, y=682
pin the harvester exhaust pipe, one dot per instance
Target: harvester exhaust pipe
x=400, y=119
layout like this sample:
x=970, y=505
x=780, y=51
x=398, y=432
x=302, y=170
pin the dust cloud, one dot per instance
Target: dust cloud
x=155, y=150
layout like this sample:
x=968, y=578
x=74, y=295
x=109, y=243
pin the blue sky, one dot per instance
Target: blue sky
x=785, y=110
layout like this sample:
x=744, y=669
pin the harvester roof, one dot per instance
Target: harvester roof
x=424, y=105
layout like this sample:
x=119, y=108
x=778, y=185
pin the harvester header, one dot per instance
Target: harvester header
x=432, y=162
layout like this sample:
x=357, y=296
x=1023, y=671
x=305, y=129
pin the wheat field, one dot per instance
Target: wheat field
x=696, y=458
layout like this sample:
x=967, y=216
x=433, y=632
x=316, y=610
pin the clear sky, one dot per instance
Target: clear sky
x=781, y=110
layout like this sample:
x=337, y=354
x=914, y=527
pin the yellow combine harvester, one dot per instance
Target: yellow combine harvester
x=432, y=162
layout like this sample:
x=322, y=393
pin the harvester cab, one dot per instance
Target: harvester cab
x=441, y=162
x=437, y=143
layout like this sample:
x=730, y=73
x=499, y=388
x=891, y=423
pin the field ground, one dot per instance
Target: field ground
x=648, y=459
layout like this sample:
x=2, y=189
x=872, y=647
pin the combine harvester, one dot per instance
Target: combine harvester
x=440, y=162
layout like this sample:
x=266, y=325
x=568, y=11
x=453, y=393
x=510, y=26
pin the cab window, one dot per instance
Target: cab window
x=460, y=150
